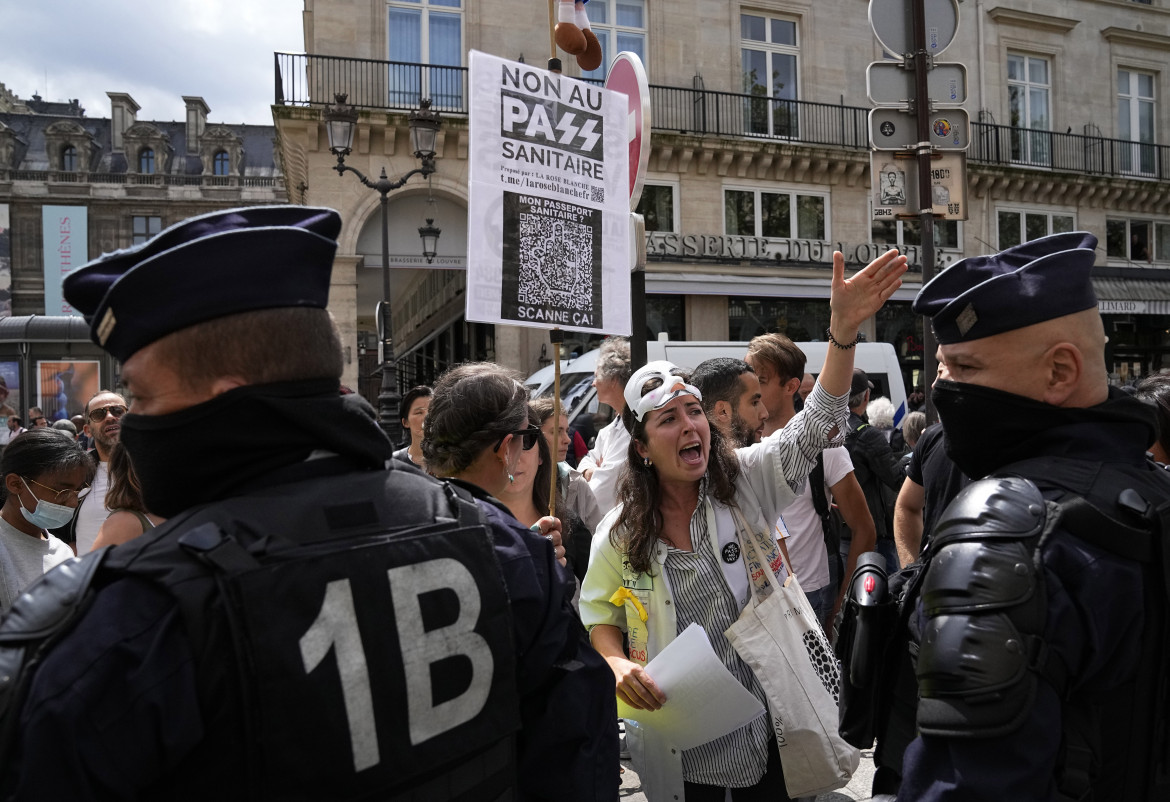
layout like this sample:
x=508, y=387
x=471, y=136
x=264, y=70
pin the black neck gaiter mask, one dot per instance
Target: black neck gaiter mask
x=218, y=448
x=987, y=429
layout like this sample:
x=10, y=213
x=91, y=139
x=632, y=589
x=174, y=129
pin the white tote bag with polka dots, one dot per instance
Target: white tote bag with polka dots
x=779, y=637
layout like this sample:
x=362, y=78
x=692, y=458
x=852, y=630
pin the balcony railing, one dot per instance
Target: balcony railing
x=309, y=80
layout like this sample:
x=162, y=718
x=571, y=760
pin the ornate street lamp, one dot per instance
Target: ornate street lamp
x=430, y=239
x=340, y=120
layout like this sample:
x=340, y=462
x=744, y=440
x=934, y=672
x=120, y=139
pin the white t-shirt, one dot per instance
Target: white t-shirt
x=806, y=539
x=608, y=460
x=92, y=512
x=24, y=558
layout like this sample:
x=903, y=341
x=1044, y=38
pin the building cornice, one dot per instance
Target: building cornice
x=1030, y=19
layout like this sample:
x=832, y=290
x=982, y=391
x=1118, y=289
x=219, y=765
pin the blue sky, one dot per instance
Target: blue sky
x=155, y=50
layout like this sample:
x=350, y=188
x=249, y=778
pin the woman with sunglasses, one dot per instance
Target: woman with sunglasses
x=477, y=429
x=43, y=470
x=526, y=496
x=673, y=551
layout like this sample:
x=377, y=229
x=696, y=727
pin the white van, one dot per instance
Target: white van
x=588, y=415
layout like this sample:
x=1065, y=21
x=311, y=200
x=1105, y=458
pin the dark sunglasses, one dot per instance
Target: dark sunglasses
x=530, y=435
x=98, y=415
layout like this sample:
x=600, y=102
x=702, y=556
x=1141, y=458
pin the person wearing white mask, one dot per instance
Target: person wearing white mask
x=42, y=473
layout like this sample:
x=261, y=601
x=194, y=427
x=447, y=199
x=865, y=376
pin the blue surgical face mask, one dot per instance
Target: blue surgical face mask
x=47, y=515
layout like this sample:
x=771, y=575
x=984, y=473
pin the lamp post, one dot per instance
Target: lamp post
x=340, y=120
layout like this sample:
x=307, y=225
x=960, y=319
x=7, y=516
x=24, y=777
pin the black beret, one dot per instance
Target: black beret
x=206, y=267
x=1037, y=281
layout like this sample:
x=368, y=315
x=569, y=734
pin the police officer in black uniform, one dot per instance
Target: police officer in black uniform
x=1041, y=617
x=315, y=621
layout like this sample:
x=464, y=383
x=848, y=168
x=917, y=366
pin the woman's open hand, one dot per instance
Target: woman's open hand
x=856, y=299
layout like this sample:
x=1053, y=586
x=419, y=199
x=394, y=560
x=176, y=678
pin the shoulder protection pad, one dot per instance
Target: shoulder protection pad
x=985, y=608
x=47, y=607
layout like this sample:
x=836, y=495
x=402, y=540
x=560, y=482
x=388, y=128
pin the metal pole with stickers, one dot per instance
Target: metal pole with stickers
x=918, y=129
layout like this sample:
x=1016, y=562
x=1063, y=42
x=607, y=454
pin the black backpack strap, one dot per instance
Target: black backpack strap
x=816, y=486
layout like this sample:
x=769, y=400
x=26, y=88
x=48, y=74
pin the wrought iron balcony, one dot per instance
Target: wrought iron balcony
x=310, y=80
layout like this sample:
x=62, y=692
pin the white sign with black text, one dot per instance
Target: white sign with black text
x=548, y=208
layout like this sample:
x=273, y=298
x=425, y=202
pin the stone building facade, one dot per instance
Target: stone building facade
x=760, y=161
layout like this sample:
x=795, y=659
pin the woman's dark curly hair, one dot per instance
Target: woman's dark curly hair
x=639, y=524
x=473, y=406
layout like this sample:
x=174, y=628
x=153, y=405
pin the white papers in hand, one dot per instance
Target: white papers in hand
x=703, y=699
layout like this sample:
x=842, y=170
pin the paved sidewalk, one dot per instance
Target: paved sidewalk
x=857, y=789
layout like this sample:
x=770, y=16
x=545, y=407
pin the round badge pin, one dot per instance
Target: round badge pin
x=731, y=552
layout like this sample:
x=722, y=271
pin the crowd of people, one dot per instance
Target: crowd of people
x=312, y=611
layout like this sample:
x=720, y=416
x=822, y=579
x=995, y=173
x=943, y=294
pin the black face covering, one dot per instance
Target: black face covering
x=987, y=429
x=216, y=449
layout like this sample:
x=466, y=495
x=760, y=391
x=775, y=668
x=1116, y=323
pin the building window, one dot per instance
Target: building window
x=1137, y=241
x=1029, y=110
x=909, y=232
x=768, y=54
x=665, y=313
x=1135, y=122
x=426, y=32
x=146, y=161
x=69, y=159
x=1016, y=226
x=145, y=228
x=619, y=25
x=221, y=163
x=783, y=215
x=657, y=207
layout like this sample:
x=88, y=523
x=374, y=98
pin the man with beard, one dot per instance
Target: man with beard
x=731, y=399
x=103, y=416
x=315, y=620
x=1041, y=618
x=813, y=538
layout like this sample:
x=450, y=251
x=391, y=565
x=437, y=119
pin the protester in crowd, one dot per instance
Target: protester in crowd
x=673, y=544
x=876, y=465
x=413, y=412
x=1155, y=391
x=880, y=414
x=67, y=427
x=103, y=414
x=814, y=537
x=529, y=484
x=913, y=427
x=128, y=517
x=15, y=427
x=732, y=399
x=603, y=465
x=316, y=620
x=1068, y=699
x=6, y=409
x=576, y=505
x=806, y=385
x=42, y=474
x=39, y=422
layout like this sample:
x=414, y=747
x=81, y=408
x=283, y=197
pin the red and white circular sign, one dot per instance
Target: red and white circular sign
x=628, y=76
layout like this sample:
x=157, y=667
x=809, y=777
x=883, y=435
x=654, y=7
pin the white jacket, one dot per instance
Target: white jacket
x=763, y=489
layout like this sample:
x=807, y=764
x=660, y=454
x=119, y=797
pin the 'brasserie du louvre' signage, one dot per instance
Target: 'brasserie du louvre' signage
x=664, y=245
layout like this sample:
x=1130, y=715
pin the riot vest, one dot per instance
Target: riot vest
x=352, y=637
x=983, y=599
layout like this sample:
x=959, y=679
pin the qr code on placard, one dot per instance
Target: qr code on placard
x=556, y=262
x=597, y=194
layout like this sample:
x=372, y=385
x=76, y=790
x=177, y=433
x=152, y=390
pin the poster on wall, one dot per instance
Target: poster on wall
x=63, y=386
x=9, y=388
x=65, y=233
x=5, y=261
x=548, y=209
